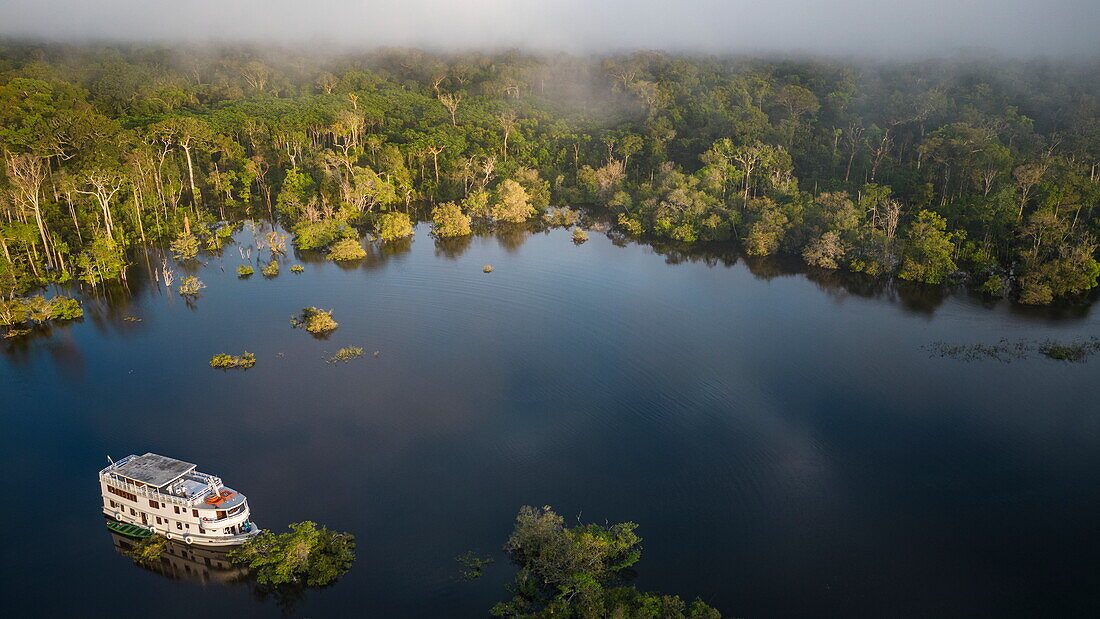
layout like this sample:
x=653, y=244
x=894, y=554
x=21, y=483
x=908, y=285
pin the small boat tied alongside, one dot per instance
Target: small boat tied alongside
x=129, y=530
x=151, y=493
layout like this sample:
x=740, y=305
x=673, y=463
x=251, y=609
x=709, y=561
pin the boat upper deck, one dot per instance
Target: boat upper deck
x=153, y=469
x=154, y=475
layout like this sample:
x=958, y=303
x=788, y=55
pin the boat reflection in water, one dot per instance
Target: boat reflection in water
x=210, y=565
x=180, y=561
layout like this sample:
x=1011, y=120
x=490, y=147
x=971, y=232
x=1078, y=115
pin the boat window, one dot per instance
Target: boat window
x=195, y=513
x=122, y=493
x=236, y=510
x=158, y=519
x=132, y=512
x=179, y=525
x=177, y=507
x=221, y=514
x=154, y=504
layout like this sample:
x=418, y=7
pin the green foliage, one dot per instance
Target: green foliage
x=562, y=216
x=994, y=286
x=449, y=221
x=512, y=203
x=245, y=270
x=149, y=550
x=346, y=249
x=346, y=354
x=824, y=160
x=271, y=269
x=393, y=226
x=928, y=250
x=487, y=268
x=826, y=251
x=322, y=233
x=38, y=310
x=579, y=236
x=102, y=260
x=307, y=555
x=227, y=362
x=297, y=268
x=185, y=247
x=767, y=232
x=473, y=564
x=295, y=193
x=316, y=321
x=190, y=286
x=567, y=572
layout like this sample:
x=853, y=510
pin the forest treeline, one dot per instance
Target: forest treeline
x=979, y=171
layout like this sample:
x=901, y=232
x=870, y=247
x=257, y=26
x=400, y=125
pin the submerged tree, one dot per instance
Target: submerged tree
x=307, y=555
x=576, y=572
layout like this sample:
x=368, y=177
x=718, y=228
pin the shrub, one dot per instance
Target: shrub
x=185, y=247
x=487, y=268
x=190, y=286
x=315, y=320
x=346, y=249
x=562, y=216
x=306, y=555
x=149, y=550
x=297, y=268
x=448, y=220
x=567, y=572
x=38, y=309
x=64, y=308
x=271, y=270
x=512, y=203
x=347, y=353
x=228, y=362
x=993, y=286
x=321, y=234
x=395, y=226
x=244, y=270
x=579, y=236
x=826, y=251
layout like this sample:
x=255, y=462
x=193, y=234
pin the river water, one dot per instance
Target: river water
x=787, y=442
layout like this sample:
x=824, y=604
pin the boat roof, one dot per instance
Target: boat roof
x=154, y=470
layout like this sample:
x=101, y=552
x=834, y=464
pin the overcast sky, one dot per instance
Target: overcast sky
x=877, y=27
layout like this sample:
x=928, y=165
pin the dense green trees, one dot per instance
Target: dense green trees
x=571, y=572
x=919, y=171
x=307, y=555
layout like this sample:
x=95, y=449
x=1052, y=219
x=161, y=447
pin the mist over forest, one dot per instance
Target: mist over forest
x=864, y=28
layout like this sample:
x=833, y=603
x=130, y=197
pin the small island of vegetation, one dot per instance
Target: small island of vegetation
x=314, y=320
x=578, y=572
x=228, y=362
x=308, y=555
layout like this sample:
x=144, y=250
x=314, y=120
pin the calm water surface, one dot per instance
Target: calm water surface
x=784, y=441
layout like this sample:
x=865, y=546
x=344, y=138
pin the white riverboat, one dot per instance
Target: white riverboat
x=169, y=497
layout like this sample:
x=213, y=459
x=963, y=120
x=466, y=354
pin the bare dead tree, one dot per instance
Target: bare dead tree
x=451, y=101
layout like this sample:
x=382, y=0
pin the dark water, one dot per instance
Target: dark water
x=784, y=441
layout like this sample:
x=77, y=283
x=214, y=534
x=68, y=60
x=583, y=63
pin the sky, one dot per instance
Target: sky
x=1025, y=28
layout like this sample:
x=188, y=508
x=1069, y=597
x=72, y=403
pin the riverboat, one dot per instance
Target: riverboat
x=169, y=497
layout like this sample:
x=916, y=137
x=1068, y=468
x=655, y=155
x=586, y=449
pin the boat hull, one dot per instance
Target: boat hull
x=196, y=539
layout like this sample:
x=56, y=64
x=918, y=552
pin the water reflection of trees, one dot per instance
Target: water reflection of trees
x=115, y=306
x=512, y=236
x=453, y=247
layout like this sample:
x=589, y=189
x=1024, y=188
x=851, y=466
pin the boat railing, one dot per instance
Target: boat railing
x=154, y=493
x=218, y=521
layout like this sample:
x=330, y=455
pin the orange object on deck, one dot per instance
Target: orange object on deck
x=215, y=499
